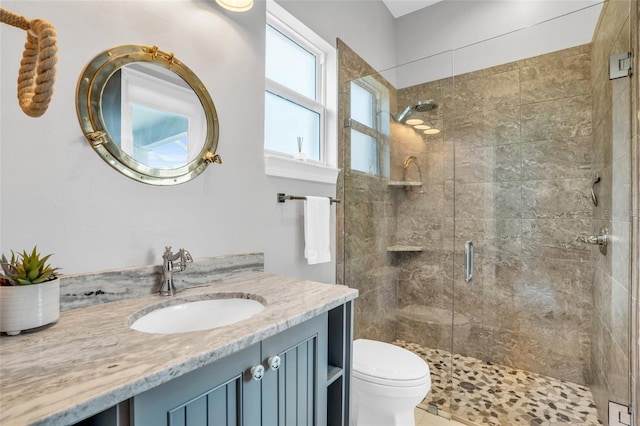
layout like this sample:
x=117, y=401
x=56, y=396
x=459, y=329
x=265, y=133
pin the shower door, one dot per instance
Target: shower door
x=543, y=325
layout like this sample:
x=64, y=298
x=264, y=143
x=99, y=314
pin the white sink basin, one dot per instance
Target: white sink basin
x=196, y=316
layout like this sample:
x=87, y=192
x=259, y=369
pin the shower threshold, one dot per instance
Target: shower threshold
x=484, y=393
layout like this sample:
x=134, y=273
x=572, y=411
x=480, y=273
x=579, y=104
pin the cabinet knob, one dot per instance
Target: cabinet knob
x=274, y=362
x=257, y=372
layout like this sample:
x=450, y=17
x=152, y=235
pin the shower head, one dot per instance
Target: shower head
x=420, y=106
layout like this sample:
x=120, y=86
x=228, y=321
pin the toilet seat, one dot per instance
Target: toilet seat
x=388, y=365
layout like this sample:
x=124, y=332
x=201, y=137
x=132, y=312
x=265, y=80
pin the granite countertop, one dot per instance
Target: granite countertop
x=90, y=359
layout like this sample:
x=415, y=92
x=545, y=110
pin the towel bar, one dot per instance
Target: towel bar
x=282, y=198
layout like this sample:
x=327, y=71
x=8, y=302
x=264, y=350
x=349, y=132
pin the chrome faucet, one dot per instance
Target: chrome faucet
x=170, y=266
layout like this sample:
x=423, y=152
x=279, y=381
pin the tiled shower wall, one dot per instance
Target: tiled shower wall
x=519, y=138
x=612, y=162
x=366, y=220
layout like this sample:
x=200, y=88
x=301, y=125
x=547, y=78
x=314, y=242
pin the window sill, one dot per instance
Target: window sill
x=295, y=169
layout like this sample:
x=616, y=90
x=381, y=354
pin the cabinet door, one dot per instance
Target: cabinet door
x=295, y=393
x=219, y=394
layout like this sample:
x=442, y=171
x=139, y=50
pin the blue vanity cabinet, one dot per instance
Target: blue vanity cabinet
x=221, y=393
x=225, y=393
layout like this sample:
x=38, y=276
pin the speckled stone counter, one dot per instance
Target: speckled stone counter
x=90, y=359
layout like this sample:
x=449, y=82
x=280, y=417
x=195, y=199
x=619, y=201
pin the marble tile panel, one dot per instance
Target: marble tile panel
x=432, y=167
x=541, y=306
x=557, y=159
x=557, y=119
x=555, y=78
x=619, y=252
x=602, y=288
x=419, y=232
x=621, y=189
x=468, y=165
x=425, y=202
x=621, y=115
x=601, y=91
x=425, y=333
x=555, y=238
x=551, y=353
x=501, y=310
x=618, y=374
x=502, y=163
x=467, y=299
x=503, y=200
x=569, y=279
x=469, y=200
x=540, y=198
x=502, y=248
x=468, y=95
x=603, y=143
x=466, y=131
x=501, y=126
x=502, y=90
x=502, y=228
x=620, y=315
x=502, y=275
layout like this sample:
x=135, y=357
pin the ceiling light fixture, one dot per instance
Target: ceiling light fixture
x=422, y=127
x=236, y=5
x=431, y=132
x=414, y=121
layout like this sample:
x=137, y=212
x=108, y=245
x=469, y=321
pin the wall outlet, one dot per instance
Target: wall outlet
x=619, y=415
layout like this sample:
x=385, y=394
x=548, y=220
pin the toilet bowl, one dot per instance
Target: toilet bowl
x=388, y=382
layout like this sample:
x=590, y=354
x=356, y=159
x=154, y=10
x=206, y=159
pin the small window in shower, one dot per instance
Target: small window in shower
x=369, y=135
x=300, y=98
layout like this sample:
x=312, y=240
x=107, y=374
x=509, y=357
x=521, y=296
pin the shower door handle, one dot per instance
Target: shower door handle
x=468, y=261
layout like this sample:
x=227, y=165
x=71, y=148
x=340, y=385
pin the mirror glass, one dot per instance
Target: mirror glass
x=147, y=115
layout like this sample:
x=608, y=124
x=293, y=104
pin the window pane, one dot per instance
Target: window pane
x=289, y=64
x=361, y=105
x=285, y=121
x=364, y=153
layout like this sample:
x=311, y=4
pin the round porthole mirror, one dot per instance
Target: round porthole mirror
x=147, y=115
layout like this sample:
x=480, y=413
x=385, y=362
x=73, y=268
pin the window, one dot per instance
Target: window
x=300, y=100
x=369, y=133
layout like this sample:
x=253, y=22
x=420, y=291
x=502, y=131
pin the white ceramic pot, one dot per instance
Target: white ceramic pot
x=23, y=307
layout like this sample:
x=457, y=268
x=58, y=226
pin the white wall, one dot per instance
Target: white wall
x=57, y=193
x=480, y=34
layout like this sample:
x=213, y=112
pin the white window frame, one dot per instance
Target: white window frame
x=282, y=164
x=380, y=96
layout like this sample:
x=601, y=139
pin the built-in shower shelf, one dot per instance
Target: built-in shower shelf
x=403, y=183
x=404, y=248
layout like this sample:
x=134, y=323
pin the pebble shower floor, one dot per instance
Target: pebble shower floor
x=495, y=395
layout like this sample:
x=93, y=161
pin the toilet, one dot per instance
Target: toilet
x=388, y=382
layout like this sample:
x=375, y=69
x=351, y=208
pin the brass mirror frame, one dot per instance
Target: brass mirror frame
x=89, y=108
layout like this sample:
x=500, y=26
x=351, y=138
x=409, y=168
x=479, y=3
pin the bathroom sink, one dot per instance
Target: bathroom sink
x=197, y=315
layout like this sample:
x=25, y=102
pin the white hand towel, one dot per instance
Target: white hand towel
x=317, y=228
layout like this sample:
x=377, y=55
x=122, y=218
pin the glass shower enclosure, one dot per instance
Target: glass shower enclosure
x=472, y=195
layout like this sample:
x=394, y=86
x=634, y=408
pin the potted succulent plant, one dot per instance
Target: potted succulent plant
x=29, y=292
